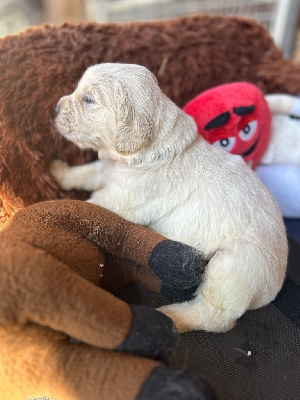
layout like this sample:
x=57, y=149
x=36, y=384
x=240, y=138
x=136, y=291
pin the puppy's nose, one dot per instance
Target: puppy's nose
x=57, y=108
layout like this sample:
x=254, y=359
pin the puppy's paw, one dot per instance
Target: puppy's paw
x=180, y=316
x=191, y=316
x=61, y=172
x=58, y=165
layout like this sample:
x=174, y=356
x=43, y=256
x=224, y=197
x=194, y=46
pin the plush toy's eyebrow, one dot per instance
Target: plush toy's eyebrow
x=243, y=110
x=218, y=121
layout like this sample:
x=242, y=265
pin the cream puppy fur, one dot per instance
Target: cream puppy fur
x=157, y=171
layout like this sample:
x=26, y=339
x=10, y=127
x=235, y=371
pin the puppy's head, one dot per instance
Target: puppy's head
x=113, y=110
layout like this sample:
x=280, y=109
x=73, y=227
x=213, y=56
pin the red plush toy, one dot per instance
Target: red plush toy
x=235, y=117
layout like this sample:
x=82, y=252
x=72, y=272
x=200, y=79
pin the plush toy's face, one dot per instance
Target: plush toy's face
x=234, y=117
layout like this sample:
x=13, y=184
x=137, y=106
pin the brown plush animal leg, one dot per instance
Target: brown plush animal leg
x=37, y=363
x=168, y=267
x=51, y=294
x=43, y=241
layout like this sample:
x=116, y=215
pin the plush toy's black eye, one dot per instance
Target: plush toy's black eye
x=224, y=142
x=247, y=129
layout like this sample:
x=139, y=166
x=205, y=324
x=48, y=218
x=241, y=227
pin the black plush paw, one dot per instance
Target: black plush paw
x=170, y=384
x=177, y=296
x=152, y=334
x=179, y=267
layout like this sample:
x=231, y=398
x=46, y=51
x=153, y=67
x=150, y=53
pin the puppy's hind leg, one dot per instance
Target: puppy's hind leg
x=234, y=282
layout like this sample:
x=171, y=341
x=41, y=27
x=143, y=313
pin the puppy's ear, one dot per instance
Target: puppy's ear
x=135, y=129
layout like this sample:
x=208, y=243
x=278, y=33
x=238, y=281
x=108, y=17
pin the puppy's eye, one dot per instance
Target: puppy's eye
x=88, y=100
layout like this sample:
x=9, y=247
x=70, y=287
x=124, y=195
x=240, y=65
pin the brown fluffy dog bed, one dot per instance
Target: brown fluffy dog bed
x=188, y=55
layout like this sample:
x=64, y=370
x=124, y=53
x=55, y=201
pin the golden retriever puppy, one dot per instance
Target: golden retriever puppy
x=157, y=171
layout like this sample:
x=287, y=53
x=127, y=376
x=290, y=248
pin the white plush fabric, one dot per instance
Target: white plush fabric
x=284, y=144
x=157, y=171
x=279, y=167
x=283, y=180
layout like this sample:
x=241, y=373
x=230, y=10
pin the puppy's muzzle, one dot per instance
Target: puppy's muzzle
x=60, y=104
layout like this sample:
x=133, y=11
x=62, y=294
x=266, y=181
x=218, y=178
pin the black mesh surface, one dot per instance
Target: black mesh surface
x=259, y=358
